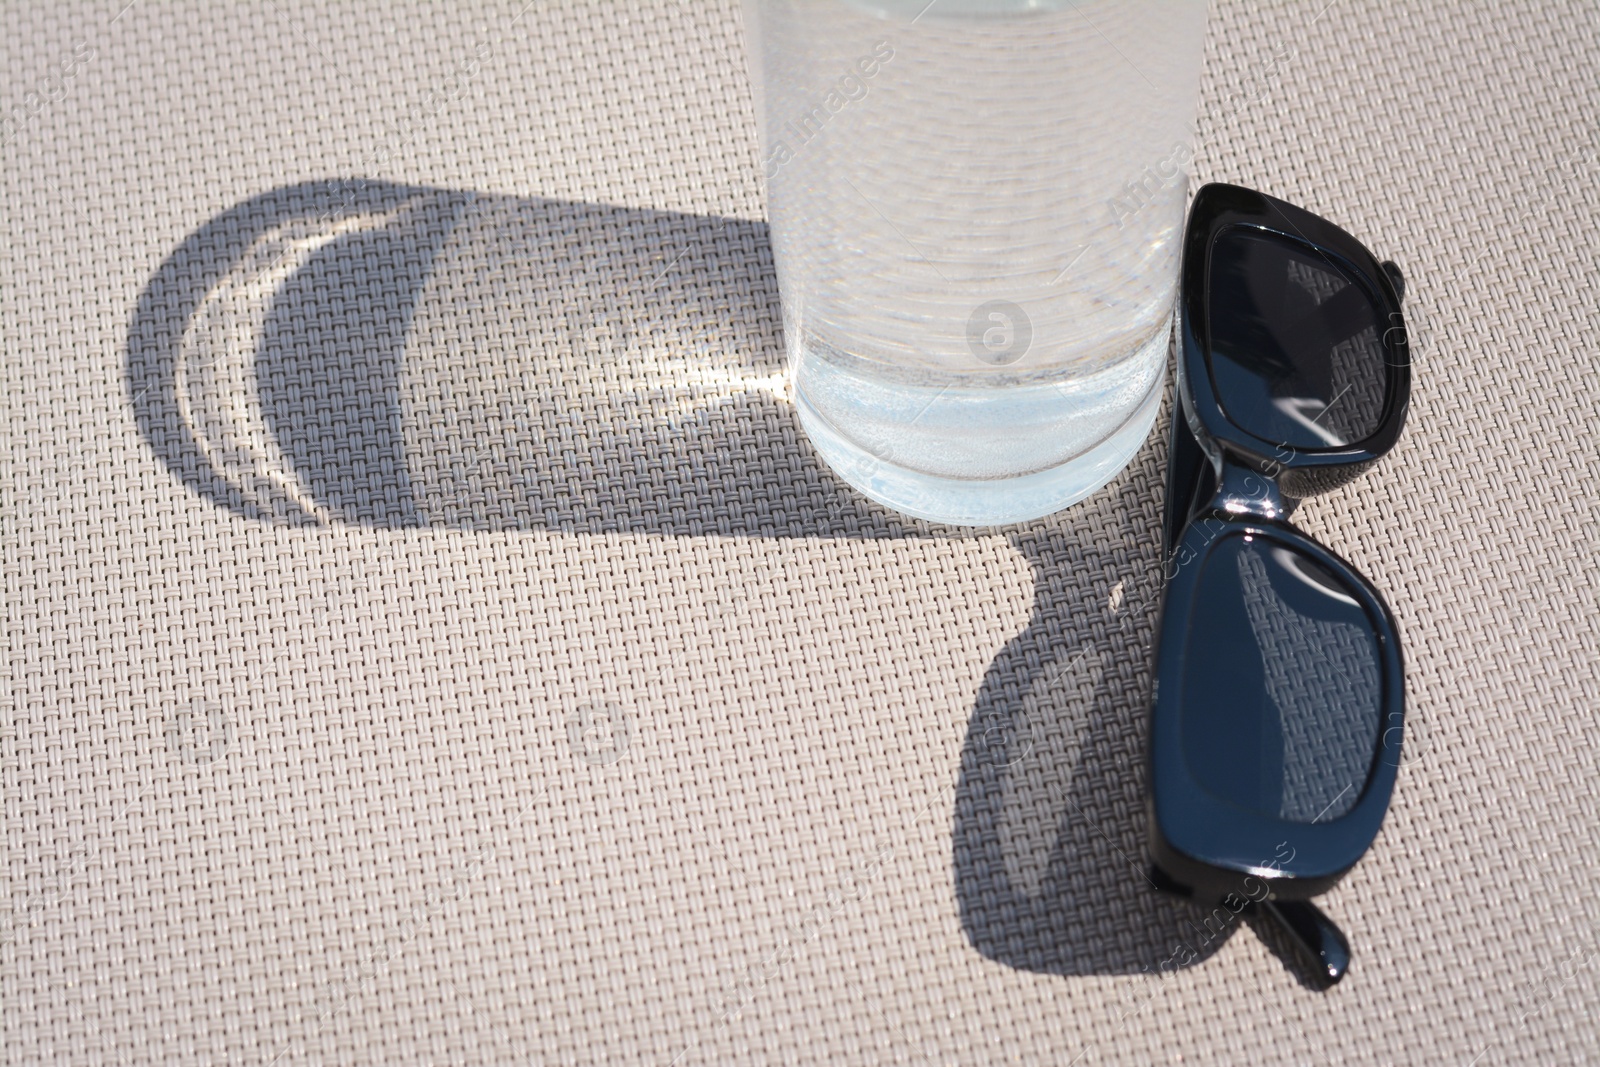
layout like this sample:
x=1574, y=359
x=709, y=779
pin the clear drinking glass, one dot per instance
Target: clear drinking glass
x=975, y=211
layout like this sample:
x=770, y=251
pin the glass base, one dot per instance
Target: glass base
x=984, y=502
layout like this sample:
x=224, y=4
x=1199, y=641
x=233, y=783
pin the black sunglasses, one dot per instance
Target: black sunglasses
x=1279, y=698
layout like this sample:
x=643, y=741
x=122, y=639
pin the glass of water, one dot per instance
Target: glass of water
x=975, y=211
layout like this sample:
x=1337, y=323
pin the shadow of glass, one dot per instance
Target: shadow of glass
x=395, y=357
x=388, y=356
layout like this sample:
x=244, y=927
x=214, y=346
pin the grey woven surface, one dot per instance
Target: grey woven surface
x=493, y=675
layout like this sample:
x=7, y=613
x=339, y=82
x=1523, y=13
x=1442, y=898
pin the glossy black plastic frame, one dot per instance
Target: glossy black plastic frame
x=1218, y=208
x=1224, y=482
x=1210, y=845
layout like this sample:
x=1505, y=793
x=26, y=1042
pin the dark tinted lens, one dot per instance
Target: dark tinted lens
x=1281, y=686
x=1297, y=352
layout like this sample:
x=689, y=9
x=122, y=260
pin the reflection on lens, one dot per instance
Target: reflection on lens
x=1296, y=347
x=1281, y=685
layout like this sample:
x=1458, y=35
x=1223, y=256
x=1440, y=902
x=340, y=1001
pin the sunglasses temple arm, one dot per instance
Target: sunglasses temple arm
x=1396, y=278
x=1318, y=941
x=1187, y=467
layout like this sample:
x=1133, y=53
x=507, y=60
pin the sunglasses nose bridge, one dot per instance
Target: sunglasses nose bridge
x=1243, y=490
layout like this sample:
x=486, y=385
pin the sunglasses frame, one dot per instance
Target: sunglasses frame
x=1223, y=482
x=1210, y=845
x=1218, y=208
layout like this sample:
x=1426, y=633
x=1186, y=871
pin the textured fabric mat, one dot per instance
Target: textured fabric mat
x=465, y=659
